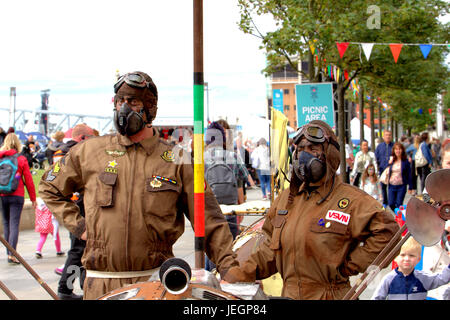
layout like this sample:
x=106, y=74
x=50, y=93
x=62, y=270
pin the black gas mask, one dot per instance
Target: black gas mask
x=140, y=86
x=309, y=168
x=127, y=121
x=306, y=166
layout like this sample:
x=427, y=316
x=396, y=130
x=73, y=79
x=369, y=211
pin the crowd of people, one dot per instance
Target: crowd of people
x=390, y=170
x=134, y=214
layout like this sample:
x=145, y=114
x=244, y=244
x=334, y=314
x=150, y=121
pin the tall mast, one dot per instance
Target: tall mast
x=199, y=195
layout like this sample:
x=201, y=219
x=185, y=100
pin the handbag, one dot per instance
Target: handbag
x=419, y=158
x=384, y=178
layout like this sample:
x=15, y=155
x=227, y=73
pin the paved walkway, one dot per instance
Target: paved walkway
x=24, y=286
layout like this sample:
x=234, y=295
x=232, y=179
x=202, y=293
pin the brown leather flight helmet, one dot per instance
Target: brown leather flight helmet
x=319, y=132
x=140, y=85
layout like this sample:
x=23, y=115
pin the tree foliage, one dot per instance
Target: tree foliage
x=409, y=85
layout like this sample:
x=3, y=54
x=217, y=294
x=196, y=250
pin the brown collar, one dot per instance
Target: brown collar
x=148, y=144
x=323, y=190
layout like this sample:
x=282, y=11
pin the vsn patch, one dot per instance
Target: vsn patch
x=168, y=156
x=343, y=203
x=338, y=216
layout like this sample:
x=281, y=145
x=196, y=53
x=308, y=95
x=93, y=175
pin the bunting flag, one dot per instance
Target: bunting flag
x=346, y=74
x=425, y=48
x=312, y=46
x=430, y=111
x=395, y=49
x=367, y=48
x=342, y=47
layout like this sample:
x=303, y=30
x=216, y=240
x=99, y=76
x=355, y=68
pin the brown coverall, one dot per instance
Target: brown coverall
x=132, y=220
x=317, y=247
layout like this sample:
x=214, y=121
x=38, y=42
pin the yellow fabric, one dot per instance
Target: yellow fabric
x=279, y=147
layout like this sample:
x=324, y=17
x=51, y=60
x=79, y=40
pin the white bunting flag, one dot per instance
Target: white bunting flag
x=367, y=48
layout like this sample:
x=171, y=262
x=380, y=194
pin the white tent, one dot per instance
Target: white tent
x=355, y=130
x=255, y=127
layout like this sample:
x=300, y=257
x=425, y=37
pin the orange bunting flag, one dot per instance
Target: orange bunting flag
x=346, y=74
x=395, y=49
x=342, y=47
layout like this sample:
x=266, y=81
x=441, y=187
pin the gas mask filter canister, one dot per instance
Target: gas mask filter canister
x=309, y=168
x=127, y=121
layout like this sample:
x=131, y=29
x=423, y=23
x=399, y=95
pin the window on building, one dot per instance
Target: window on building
x=286, y=107
x=286, y=91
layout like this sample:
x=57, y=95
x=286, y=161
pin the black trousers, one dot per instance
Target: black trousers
x=423, y=172
x=384, y=193
x=73, y=266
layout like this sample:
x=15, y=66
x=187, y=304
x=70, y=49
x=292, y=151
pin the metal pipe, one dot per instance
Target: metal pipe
x=7, y=291
x=29, y=269
x=378, y=262
x=175, y=275
x=374, y=272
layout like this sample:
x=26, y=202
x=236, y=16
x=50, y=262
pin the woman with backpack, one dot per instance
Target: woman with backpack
x=12, y=191
x=423, y=166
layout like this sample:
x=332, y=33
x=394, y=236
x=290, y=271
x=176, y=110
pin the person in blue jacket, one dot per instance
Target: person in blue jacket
x=405, y=283
x=399, y=176
x=424, y=171
x=382, y=154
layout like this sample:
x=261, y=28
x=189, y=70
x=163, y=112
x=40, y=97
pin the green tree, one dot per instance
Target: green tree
x=323, y=23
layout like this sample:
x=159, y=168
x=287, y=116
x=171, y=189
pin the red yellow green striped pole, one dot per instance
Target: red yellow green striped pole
x=199, y=180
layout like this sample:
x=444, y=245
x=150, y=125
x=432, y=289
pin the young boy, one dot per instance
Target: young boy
x=405, y=283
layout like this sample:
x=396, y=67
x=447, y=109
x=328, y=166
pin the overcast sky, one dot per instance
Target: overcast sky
x=74, y=48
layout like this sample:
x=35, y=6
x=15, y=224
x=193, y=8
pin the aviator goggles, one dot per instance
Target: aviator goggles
x=314, y=133
x=134, y=80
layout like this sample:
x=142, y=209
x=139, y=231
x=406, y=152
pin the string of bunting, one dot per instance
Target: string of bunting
x=335, y=73
x=396, y=48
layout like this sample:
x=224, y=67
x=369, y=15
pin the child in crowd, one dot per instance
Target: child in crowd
x=369, y=182
x=46, y=223
x=405, y=283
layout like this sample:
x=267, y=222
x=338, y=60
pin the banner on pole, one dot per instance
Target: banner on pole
x=315, y=102
x=277, y=95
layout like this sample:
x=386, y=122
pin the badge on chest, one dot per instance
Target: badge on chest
x=338, y=216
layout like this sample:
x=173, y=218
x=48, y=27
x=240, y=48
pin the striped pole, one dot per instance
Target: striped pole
x=199, y=180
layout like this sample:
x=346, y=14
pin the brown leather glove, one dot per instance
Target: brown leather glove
x=235, y=274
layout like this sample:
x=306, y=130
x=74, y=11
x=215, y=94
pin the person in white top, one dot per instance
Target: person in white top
x=261, y=162
x=363, y=158
x=369, y=182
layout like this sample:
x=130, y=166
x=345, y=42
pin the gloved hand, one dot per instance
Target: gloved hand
x=235, y=274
